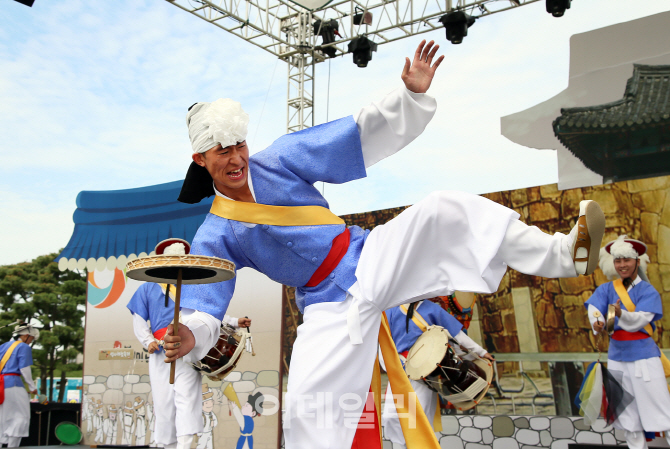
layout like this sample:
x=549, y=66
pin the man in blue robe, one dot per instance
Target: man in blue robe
x=267, y=215
x=633, y=355
x=178, y=407
x=15, y=404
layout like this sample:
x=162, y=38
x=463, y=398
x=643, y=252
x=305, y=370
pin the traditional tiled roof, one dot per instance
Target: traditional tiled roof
x=646, y=101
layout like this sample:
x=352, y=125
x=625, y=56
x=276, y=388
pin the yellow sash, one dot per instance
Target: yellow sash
x=273, y=215
x=8, y=354
x=421, y=435
x=628, y=303
x=422, y=324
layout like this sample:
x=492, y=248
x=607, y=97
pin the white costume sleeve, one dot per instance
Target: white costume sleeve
x=142, y=331
x=232, y=321
x=237, y=413
x=634, y=321
x=28, y=377
x=388, y=125
x=206, y=330
x=470, y=344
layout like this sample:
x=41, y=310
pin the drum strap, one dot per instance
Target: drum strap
x=419, y=434
x=628, y=303
x=416, y=318
x=273, y=215
x=3, y=362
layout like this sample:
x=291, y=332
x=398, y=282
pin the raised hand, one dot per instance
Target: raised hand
x=418, y=75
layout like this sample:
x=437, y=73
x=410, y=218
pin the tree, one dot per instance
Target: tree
x=53, y=300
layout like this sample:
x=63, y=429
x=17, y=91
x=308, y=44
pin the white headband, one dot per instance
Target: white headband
x=221, y=122
x=26, y=329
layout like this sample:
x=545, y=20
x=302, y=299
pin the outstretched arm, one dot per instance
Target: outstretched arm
x=418, y=75
x=388, y=125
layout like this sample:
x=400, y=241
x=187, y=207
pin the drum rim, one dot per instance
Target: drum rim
x=234, y=360
x=69, y=424
x=412, y=370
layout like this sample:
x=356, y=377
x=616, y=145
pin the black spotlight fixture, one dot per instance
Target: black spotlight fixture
x=362, y=48
x=457, y=23
x=327, y=29
x=362, y=17
x=557, y=7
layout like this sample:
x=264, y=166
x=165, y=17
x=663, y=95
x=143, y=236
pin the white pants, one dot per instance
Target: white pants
x=426, y=397
x=448, y=241
x=178, y=407
x=14, y=415
x=645, y=380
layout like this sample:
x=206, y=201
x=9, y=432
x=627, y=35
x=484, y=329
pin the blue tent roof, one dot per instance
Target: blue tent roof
x=124, y=222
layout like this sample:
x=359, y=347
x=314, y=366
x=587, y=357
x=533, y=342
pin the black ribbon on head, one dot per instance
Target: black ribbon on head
x=410, y=314
x=197, y=186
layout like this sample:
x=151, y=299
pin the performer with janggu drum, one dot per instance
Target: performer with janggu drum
x=408, y=323
x=633, y=357
x=178, y=407
x=16, y=357
x=267, y=215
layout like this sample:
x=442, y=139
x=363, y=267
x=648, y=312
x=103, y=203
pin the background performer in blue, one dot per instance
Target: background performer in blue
x=16, y=358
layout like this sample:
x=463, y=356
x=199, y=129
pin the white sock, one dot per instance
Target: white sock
x=13, y=441
x=635, y=440
x=184, y=441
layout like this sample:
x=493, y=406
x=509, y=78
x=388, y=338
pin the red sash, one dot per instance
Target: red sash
x=160, y=333
x=622, y=335
x=2, y=386
x=337, y=251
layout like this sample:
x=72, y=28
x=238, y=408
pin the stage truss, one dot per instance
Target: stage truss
x=285, y=29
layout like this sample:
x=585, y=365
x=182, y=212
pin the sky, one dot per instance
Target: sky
x=93, y=96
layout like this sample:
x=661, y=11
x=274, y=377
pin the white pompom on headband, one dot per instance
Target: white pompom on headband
x=221, y=122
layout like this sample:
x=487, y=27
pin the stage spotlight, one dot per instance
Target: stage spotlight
x=362, y=48
x=557, y=7
x=327, y=29
x=457, y=23
x=362, y=17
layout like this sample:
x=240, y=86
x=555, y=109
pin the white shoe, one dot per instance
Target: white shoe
x=587, y=237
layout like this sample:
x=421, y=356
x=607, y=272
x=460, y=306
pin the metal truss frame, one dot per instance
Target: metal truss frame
x=285, y=29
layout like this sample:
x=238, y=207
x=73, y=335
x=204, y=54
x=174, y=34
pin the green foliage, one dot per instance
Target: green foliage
x=53, y=300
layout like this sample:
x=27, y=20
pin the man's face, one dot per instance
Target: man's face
x=626, y=267
x=208, y=405
x=228, y=166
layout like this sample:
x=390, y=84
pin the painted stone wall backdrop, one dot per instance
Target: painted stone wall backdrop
x=521, y=432
x=639, y=208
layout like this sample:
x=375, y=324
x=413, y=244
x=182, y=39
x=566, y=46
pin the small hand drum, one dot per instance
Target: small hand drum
x=434, y=361
x=195, y=269
x=225, y=355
